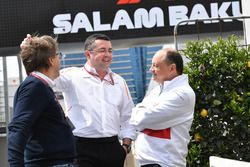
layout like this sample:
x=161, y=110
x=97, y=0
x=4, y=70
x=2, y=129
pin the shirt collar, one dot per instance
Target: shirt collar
x=177, y=81
x=50, y=82
x=92, y=69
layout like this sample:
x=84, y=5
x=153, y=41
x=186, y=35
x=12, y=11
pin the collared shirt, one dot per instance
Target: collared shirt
x=164, y=118
x=49, y=81
x=96, y=108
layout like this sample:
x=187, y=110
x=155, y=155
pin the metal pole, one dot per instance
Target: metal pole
x=200, y=20
x=245, y=34
x=6, y=93
x=20, y=68
x=198, y=29
x=220, y=26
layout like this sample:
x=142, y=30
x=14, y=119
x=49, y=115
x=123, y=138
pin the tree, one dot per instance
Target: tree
x=219, y=73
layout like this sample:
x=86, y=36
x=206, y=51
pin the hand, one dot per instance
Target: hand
x=25, y=41
x=125, y=148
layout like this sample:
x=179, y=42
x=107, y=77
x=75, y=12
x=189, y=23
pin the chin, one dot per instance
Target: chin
x=106, y=67
x=155, y=79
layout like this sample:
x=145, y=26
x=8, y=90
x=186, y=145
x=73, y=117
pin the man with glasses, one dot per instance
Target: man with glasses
x=165, y=115
x=99, y=106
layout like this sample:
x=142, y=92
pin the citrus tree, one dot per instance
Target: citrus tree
x=219, y=73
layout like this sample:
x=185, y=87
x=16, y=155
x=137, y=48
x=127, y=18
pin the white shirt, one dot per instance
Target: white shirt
x=40, y=75
x=96, y=108
x=170, y=109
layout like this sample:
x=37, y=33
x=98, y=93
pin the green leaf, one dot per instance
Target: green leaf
x=219, y=74
x=217, y=102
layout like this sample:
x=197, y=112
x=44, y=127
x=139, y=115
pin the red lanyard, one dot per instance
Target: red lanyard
x=40, y=78
x=96, y=75
x=47, y=84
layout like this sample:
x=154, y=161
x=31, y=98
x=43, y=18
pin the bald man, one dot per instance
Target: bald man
x=165, y=115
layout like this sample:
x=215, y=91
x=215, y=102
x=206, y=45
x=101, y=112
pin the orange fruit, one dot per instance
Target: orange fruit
x=197, y=137
x=203, y=113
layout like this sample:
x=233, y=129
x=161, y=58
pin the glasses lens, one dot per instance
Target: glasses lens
x=59, y=54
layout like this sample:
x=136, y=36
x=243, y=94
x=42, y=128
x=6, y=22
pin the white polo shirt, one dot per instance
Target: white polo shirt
x=96, y=108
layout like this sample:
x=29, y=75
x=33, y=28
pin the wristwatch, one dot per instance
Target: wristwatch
x=128, y=147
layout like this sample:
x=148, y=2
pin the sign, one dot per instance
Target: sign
x=246, y=12
x=73, y=21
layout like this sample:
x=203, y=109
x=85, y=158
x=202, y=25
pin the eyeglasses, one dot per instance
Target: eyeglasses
x=59, y=54
x=102, y=51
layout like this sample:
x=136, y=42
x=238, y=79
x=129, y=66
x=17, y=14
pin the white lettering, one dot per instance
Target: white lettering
x=81, y=21
x=236, y=9
x=62, y=23
x=144, y=18
x=149, y=20
x=122, y=19
x=177, y=13
x=223, y=10
x=97, y=23
x=214, y=11
x=198, y=12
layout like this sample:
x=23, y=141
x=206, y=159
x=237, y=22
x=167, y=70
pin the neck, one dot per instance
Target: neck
x=174, y=75
x=101, y=73
x=48, y=73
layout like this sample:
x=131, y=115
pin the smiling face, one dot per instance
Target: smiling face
x=100, y=57
x=161, y=69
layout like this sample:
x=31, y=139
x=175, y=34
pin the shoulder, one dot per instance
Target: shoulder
x=117, y=76
x=31, y=86
x=70, y=70
x=119, y=80
x=184, y=93
x=32, y=82
x=185, y=89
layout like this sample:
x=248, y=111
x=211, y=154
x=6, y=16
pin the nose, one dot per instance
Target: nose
x=151, y=69
x=108, y=53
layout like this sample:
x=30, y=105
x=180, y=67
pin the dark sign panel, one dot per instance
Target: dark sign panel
x=74, y=20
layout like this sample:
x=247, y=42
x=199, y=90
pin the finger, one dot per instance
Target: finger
x=28, y=36
x=25, y=41
x=23, y=45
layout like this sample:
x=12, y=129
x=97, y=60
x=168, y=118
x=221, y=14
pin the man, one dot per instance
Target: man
x=99, y=105
x=39, y=135
x=165, y=116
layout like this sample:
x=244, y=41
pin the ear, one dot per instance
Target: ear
x=51, y=61
x=173, y=67
x=87, y=54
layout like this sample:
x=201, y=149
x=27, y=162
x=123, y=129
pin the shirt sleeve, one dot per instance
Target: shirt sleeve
x=62, y=83
x=127, y=130
x=28, y=105
x=170, y=109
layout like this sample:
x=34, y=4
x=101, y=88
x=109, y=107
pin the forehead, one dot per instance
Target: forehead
x=103, y=43
x=158, y=57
